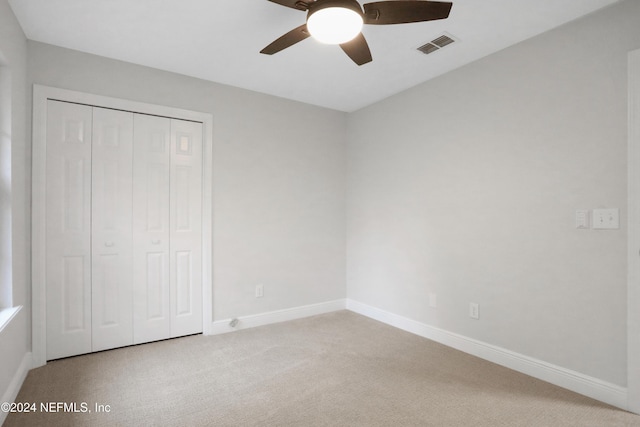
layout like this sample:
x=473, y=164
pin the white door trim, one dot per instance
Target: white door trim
x=38, y=208
x=633, y=237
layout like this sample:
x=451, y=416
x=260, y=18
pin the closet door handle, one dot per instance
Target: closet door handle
x=108, y=244
x=155, y=242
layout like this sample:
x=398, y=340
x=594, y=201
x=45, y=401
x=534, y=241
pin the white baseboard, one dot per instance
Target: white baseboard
x=565, y=378
x=244, y=322
x=16, y=383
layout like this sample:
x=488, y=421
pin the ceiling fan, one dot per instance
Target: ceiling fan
x=340, y=22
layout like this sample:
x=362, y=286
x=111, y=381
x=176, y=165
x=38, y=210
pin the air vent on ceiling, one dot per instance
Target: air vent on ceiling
x=437, y=44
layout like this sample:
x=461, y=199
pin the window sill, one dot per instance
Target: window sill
x=6, y=314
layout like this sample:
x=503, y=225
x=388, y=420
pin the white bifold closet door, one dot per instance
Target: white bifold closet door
x=186, y=228
x=152, y=297
x=123, y=228
x=68, y=228
x=167, y=228
x=111, y=251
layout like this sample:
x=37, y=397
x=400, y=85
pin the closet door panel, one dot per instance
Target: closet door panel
x=68, y=229
x=152, y=314
x=186, y=228
x=112, y=163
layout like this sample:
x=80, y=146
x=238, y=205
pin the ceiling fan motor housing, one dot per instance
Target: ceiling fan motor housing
x=323, y=4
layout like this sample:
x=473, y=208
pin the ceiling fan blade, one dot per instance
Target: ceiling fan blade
x=292, y=37
x=358, y=50
x=403, y=12
x=294, y=4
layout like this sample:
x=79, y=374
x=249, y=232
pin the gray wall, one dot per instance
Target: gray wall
x=278, y=179
x=466, y=186
x=15, y=338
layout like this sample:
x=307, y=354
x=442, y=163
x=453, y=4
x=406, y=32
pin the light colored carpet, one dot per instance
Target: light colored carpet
x=337, y=369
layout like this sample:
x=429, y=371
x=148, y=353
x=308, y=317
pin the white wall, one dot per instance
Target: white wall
x=6, y=282
x=278, y=179
x=466, y=186
x=15, y=338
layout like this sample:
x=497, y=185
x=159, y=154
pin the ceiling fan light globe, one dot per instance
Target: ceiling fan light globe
x=334, y=25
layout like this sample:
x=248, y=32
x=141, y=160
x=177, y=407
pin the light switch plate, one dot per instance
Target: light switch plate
x=582, y=219
x=606, y=219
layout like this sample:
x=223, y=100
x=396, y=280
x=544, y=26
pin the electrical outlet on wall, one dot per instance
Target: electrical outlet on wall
x=474, y=310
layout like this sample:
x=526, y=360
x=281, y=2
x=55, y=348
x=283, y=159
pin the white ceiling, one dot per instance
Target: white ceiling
x=220, y=40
